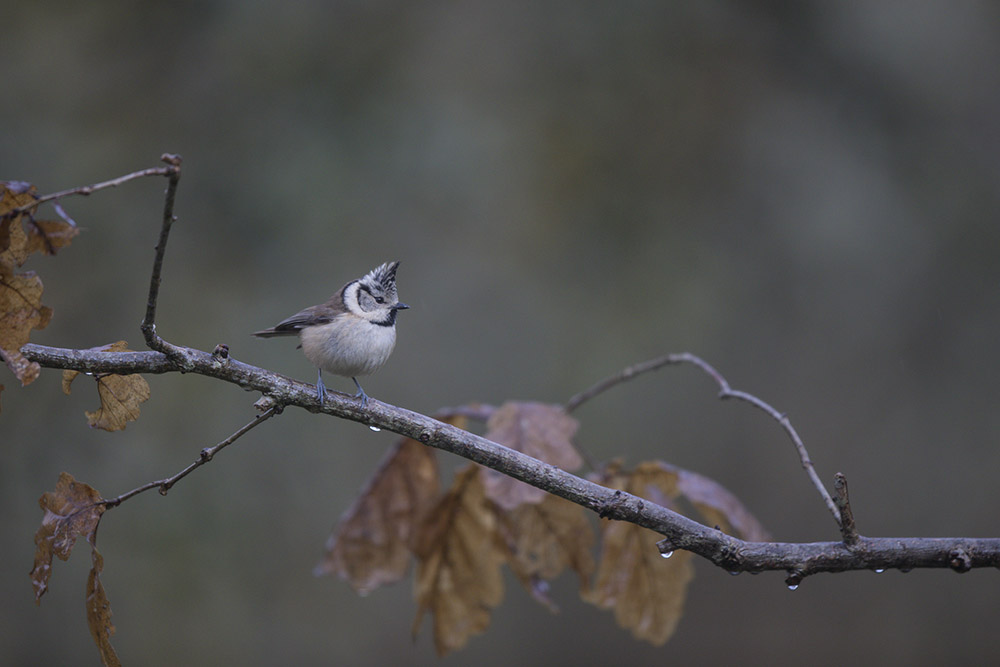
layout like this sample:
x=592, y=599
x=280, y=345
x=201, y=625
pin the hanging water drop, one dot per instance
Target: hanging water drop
x=734, y=573
x=666, y=554
x=375, y=428
x=879, y=570
x=792, y=587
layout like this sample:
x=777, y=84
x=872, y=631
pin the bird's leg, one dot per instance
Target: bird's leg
x=361, y=393
x=320, y=387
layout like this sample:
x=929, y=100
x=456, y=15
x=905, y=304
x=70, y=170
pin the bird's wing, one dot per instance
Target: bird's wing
x=308, y=317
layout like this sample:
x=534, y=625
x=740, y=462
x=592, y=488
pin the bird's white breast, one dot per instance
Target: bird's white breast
x=348, y=346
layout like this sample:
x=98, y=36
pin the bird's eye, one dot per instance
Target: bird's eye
x=379, y=299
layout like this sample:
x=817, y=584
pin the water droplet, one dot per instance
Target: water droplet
x=879, y=570
x=666, y=554
x=904, y=570
x=375, y=428
x=792, y=587
x=734, y=573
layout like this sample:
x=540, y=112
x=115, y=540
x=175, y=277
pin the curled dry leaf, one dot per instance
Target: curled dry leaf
x=99, y=612
x=458, y=563
x=538, y=430
x=645, y=590
x=120, y=394
x=371, y=545
x=72, y=510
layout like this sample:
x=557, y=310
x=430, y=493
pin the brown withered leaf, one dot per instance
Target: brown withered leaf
x=72, y=510
x=538, y=430
x=458, y=575
x=371, y=545
x=120, y=394
x=544, y=539
x=719, y=506
x=645, y=590
x=22, y=235
x=21, y=310
x=13, y=240
x=99, y=612
x=47, y=236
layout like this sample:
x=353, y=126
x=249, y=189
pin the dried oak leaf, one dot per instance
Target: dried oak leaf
x=544, y=539
x=21, y=310
x=371, y=545
x=719, y=506
x=538, y=430
x=646, y=591
x=99, y=613
x=458, y=575
x=120, y=394
x=22, y=235
x=72, y=510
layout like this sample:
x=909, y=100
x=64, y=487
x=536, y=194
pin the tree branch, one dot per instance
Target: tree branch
x=148, y=325
x=207, y=454
x=86, y=190
x=724, y=392
x=800, y=560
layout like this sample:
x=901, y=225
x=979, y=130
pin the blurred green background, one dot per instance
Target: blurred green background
x=806, y=194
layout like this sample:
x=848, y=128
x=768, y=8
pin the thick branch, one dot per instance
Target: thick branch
x=959, y=554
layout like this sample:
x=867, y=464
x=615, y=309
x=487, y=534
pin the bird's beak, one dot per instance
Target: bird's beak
x=400, y=306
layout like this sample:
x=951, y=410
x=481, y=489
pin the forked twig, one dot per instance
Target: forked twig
x=725, y=391
x=164, y=485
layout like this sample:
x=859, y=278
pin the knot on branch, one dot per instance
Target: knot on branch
x=610, y=505
x=220, y=354
x=961, y=561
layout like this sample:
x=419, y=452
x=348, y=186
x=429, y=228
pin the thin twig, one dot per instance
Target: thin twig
x=847, y=527
x=725, y=391
x=164, y=485
x=149, y=321
x=86, y=190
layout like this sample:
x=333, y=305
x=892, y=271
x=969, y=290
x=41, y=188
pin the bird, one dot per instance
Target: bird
x=353, y=333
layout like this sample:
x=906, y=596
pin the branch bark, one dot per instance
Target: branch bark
x=798, y=559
